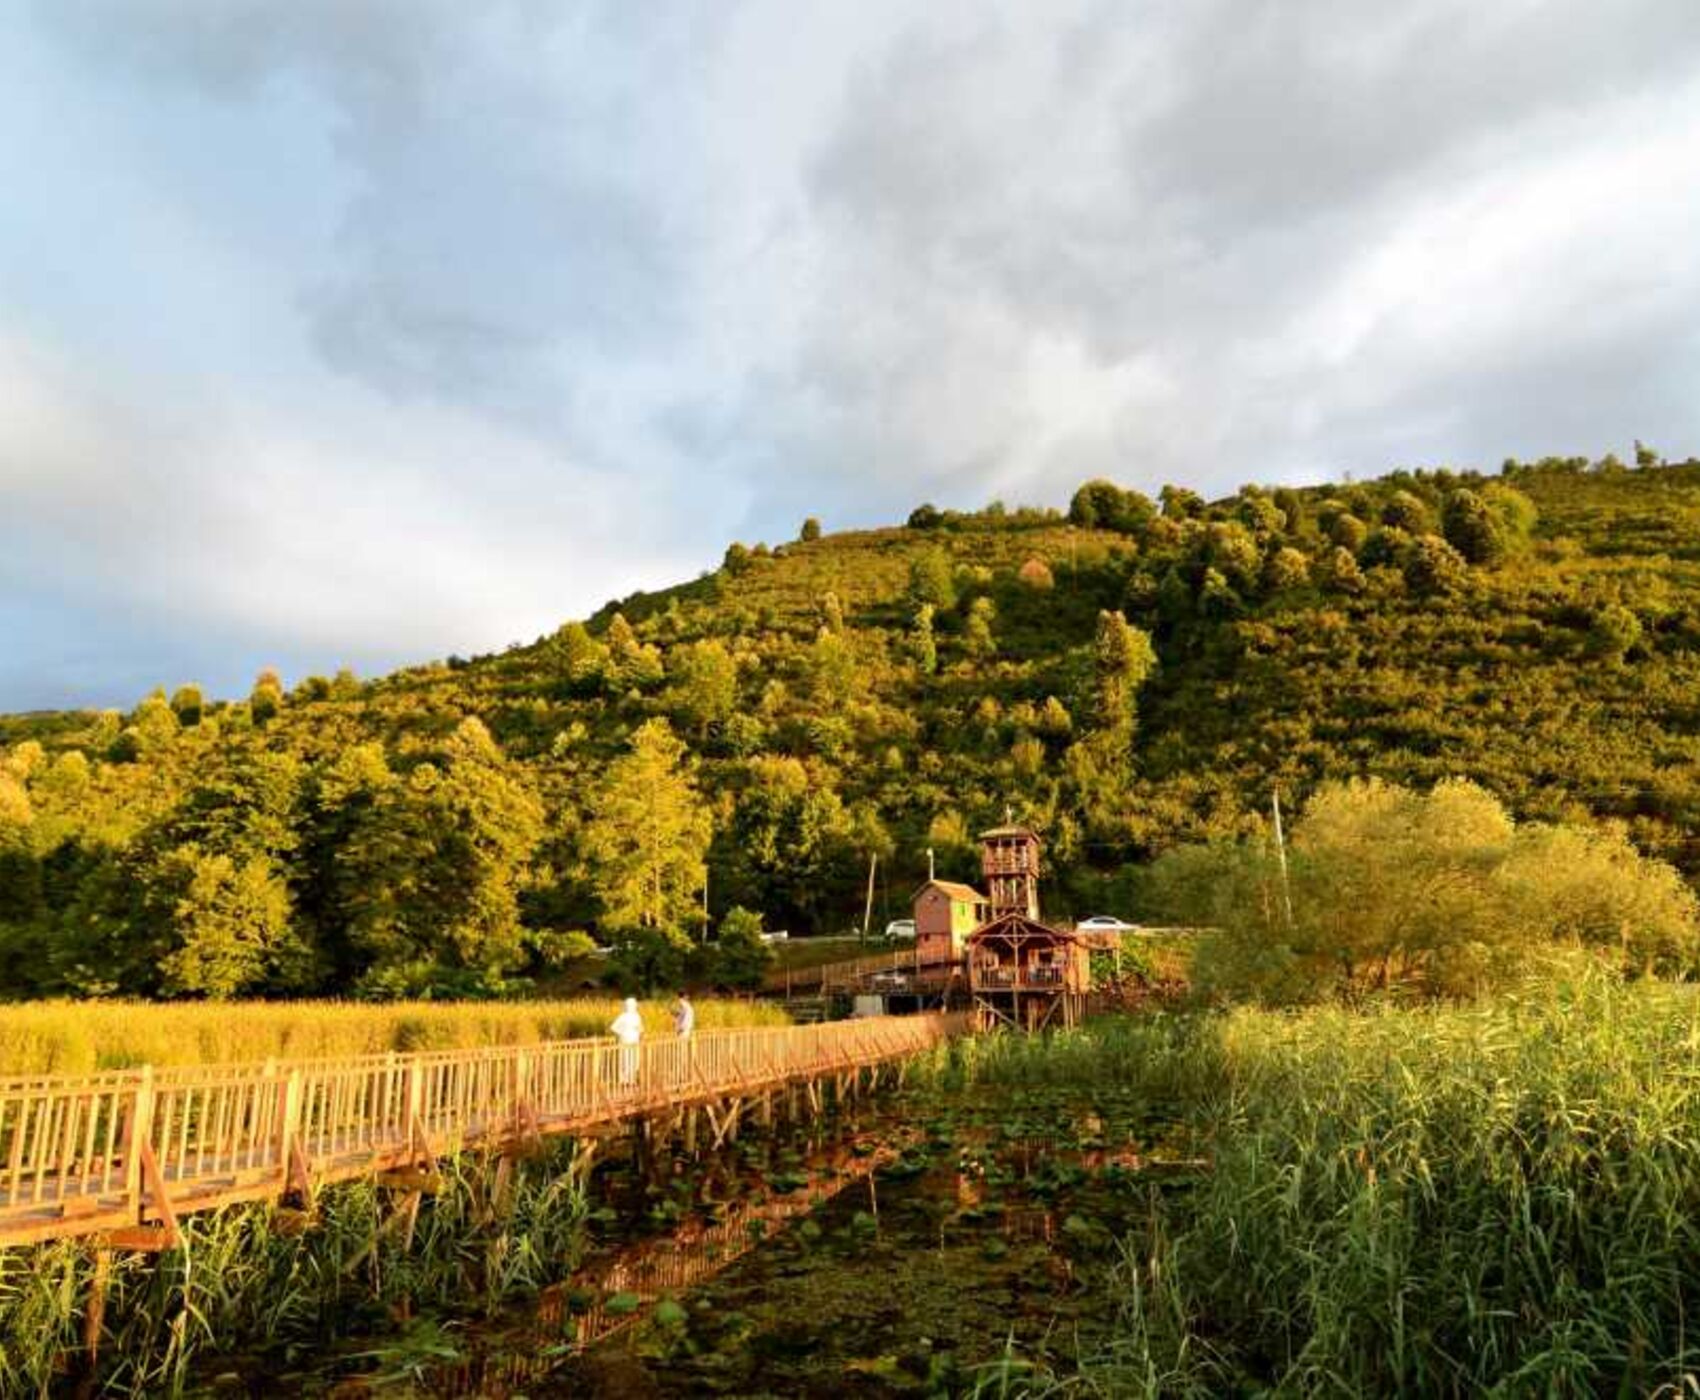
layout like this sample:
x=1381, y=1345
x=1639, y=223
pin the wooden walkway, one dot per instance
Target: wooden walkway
x=123, y=1154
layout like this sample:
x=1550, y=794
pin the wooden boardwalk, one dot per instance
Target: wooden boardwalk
x=124, y=1154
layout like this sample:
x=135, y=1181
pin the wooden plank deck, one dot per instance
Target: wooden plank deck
x=86, y=1154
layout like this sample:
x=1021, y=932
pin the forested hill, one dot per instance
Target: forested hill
x=1127, y=676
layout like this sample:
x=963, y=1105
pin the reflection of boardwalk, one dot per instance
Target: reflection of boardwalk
x=125, y=1153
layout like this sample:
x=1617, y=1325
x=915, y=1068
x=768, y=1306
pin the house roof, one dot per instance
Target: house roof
x=965, y=893
x=1020, y=926
x=1009, y=831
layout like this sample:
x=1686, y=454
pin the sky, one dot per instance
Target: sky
x=365, y=332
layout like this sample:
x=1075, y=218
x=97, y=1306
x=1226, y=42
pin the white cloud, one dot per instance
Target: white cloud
x=399, y=328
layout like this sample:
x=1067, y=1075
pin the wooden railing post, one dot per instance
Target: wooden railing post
x=413, y=1097
x=288, y=1122
x=136, y=1132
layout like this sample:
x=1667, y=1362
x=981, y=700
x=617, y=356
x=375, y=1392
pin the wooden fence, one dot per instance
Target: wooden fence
x=844, y=975
x=112, y=1152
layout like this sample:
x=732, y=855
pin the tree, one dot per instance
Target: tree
x=578, y=659
x=1340, y=573
x=1180, y=503
x=630, y=662
x=266, y=699
x=1434, y=568
x=737, y=559
x=1286, y=568
x=187, y=704
x=931, y=580
x=923, y=645
x=155, y=724
x=232, y=924
x=741, y=958
x=1473, y=528
x=810, y=531
x=645, y=837
x=1404, y=511
x=1123, y=659
x=705, y=684
x=1434, y=893
x=430, y=875
x=797, y=849
x=1614, y=632
x=977, y=636
x=1103, y=505
x=1348, y=532
x=925, y=517
x=1232, y=551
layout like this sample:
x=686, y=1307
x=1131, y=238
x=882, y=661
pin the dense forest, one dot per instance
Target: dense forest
x=1128, y=676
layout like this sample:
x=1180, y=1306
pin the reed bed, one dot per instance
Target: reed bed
x=71, y=1037
x=1496, y=1199
x=264, y=1280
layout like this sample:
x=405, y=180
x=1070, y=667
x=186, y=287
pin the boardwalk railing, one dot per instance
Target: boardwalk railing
x=108, y=1152
x=844, y=974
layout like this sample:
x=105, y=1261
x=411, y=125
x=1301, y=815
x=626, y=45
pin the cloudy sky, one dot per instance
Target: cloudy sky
x=362, y=332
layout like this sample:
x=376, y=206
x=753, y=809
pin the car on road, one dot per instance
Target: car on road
x=1105, y=923
x=900, y=928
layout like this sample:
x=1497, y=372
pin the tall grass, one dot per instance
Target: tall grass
x=60, y=1037
x=1442, y=1202
x=249, y=1281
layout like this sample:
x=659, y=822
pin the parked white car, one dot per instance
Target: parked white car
x=900, y=928
x=1105, y=923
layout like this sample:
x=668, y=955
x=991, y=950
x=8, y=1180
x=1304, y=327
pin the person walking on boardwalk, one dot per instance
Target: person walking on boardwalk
x=628, y=1030
x=684, y=1016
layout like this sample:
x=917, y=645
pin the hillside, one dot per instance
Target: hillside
x=359, y=834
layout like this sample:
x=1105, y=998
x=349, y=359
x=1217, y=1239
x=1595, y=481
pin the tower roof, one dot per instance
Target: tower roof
x=998, y=831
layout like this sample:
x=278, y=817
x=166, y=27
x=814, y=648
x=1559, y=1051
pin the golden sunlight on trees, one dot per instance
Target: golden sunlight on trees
x=1435, y=893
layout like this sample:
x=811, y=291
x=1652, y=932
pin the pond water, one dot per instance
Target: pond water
x=932, y=1246
x=924, y=1243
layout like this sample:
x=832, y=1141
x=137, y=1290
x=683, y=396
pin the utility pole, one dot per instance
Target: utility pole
x=868, y=908
x=931, y=875
x=1281, y=856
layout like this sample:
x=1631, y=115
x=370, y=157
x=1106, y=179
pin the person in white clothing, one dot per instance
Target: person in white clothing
x=628, y=1030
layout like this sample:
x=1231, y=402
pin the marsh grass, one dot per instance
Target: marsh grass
x=251, y=1283
x=1446, y=1201
x=68, y=1037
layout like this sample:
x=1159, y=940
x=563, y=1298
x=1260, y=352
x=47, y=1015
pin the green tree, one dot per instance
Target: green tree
x=431, y=875
x=1123, y=660
x=266, y=698
x=1433, y=567
x=1614, y=632
x=931, y=580
x=705, y=684
x=1404, y=511
x=578, y=659
x=977, y=635
x=645, y=837
x=741, y=958
x=188, y=704
x=923, y=645
x=1103, y=505
x=1472, y=527
x=630, y=662
x=810, y=531
x=231, y=924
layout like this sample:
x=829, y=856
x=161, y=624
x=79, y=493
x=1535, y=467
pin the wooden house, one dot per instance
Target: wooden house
x=1021, y=971
x=945, y=914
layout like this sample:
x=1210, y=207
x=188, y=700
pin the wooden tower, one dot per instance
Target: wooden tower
x=1022, y=972
x=1009, y=860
